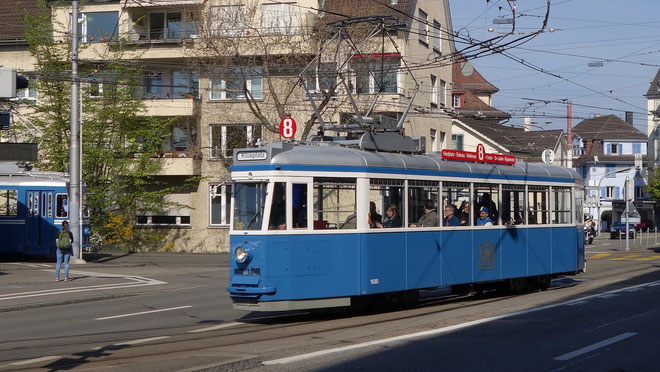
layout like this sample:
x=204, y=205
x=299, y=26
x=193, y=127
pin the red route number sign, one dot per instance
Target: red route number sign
x=287, y=127
x=480, y=156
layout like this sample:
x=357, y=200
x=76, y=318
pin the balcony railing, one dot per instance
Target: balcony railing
x=164, y=36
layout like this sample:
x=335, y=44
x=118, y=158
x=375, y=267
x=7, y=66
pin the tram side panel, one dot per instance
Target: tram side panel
x=457, y=256
x=486, y=255
x=382, y=262
x=514, y=252
x=424, y=266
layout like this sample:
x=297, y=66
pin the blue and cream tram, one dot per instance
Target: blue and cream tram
x=33, y=206
x=306, y=224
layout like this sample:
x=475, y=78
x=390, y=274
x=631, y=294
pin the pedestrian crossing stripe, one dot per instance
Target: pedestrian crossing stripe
x=598, y=256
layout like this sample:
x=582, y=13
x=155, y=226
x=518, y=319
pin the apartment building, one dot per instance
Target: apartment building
x=227, y=71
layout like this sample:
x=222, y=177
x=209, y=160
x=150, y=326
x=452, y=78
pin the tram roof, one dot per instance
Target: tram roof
x=332, y=157
x=13, y=174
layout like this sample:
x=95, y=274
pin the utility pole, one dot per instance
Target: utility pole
x=74, y=148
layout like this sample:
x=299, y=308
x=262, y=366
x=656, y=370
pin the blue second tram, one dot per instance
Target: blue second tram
x=314, y=225
x=33, y=206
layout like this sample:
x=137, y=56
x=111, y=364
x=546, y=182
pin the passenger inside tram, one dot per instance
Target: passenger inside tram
x=484, y=219
x=487, y=201
x=374, y=217
x=464, y=213
x=430, y=216
x=392, y=218
x=450, y=218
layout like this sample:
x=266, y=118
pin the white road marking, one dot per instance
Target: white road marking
x=213, y=328
x=438, y=331
x=35, y=360
x=135, y=281
x=595, y=346
x=143, y=312
x=609, y=295
x=133, y=342
x=577, y=303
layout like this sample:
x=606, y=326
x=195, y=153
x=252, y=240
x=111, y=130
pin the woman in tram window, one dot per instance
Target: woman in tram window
x=392, y=218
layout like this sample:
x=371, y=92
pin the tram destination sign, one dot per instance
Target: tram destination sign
x=480, y=156
x=251, y=155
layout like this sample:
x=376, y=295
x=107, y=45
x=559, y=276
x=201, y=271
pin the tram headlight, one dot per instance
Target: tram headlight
x=240, y=254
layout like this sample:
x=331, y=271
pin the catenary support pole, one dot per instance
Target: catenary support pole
x=74, y=147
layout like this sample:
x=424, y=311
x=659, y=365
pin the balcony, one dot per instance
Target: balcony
x=166, y=106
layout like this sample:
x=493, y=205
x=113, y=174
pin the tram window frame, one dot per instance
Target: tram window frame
x=8, y=202
x=480, y=189
x=64, y=211
x=384, y=192
x=44, y=206
x=340, y=189
x=276, y=210
x=298, y=204
x=430, y=191
x=50, y=205
x=260, y=206
x=544, y=214
x=36, y=204
x=560, y=213
x=513, y=211
x=457, y=192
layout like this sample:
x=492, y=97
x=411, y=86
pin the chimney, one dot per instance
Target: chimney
x=527, y=123
x=629, y=117
x=589, y=144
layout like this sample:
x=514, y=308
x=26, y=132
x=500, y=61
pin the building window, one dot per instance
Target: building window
x=279, y=18
x=423, y=27
x=167, y=25
x=376, y=74
x=434, y=91
x=609, y=192
x=153, y=84
x=609, y=171
x=219, y=205
x=443, y=93
x=457, y=141
x=457, y=100
x=27, y=94
x=225, y=138
x=639, y=192
x=437, y=41
x=434, y=140
x=322, y=78
x=227, y=20
x=98, y=27
x=231, y=84
x=614, y=148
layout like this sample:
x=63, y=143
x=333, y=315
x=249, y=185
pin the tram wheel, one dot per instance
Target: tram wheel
x=358, y=305
x=544, y=282
x=409, y=298
x=518, y=285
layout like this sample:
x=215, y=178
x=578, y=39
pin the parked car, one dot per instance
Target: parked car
x=644, y=225
x=618, y=229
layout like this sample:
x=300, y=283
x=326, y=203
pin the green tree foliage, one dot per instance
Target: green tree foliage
x=119, y=140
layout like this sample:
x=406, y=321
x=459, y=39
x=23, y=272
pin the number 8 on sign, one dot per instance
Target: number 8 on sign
x=287, y=127
x=481, y=153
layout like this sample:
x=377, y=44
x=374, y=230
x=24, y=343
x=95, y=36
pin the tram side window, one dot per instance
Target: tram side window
x=486, y=198
x=456, y=200
x=562, y=205
x=334, y=203
x=423, y=200
x=538, y=205
x=513, y=204
x=388, y=195
x=579, y=197
x=277, y=220
x=299, y=205
x=62, y=210
x=249, y=201
x=8, y=202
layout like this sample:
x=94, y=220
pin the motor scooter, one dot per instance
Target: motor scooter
x=589, y=234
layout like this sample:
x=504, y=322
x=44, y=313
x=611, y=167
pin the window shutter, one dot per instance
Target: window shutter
x=608, y=148
x=617, y=192
x=603, y=192
x=620, y=152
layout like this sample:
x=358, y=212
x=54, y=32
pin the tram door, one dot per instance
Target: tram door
x=39, y=219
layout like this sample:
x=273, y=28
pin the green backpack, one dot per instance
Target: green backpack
x=63, y=240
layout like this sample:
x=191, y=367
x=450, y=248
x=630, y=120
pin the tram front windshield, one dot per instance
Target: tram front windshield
x=249, y=201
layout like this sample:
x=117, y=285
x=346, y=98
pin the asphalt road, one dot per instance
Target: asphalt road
x=170, y=312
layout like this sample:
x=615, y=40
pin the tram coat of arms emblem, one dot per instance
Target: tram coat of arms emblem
x=487, y=259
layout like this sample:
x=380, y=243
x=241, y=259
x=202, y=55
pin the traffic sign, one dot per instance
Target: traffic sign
x=287, y=127
x=638, y=161
x=548, y=156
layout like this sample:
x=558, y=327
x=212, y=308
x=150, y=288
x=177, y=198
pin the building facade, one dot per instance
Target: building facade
x=225, y=73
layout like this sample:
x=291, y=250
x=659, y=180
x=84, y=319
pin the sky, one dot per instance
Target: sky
x=622, y=34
